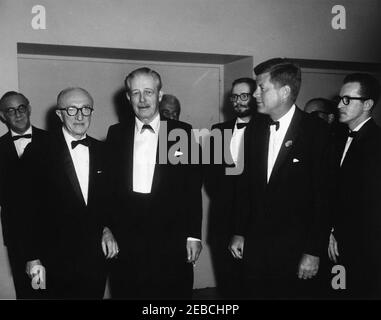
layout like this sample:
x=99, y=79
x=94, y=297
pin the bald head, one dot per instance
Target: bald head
x=73, y=91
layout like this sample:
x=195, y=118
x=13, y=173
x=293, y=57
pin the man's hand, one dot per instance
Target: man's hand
x=194, y=248
x=236, y=246
x=308, y=266
x=333, y=251
x=109, y=244
x=30, y=269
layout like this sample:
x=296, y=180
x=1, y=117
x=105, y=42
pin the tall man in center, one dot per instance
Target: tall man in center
x=280, y=227
x=157, y=206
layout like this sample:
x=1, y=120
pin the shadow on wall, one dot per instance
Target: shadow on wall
x=122, y=106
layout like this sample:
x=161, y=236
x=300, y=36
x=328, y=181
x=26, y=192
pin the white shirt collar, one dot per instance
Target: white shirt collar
x=360, y=125
x=29, y=131
x=155, y=124
x=285, y=120
x=69, y=138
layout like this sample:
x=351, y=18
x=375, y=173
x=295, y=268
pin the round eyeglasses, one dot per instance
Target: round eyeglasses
x=22, y=108
x=243, y=96
x=72, y=111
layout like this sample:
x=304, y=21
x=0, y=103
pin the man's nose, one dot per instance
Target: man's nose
x=141, y=97
x=79, y=115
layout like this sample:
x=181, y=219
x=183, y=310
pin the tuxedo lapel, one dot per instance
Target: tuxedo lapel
x=260, y=137
x=158, y=171
x=94, y=165
x=363, y=134
x=127, y=147
x=68, y=167
x=287, y=143
x=10, y=152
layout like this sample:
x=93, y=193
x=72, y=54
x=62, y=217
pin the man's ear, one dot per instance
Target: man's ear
x=59, y=114
x=286, y=92
x=160, y=95
x=128, y=96
x=368, y=104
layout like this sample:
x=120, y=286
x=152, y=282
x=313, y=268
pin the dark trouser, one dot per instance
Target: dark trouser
x=76, y=285
x=279, y=288
x=21, y=281
x=135, y=283
x=228, y=272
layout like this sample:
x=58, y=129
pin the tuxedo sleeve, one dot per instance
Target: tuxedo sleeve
x=320, y=215
x=193, y=185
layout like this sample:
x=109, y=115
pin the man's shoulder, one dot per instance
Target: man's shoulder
x=4, y=138
x=176, y=124
x=224, y=125
x=311, y=122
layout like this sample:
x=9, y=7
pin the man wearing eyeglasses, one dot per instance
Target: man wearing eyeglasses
x=221, y=187
x=20, y=149
x=75, y=235
x=356, y=243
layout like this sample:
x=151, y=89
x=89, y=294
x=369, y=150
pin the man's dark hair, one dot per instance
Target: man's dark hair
x=369, y=85
x=249, y=81
x=143, y=71
x=282, y=72
x=172, y=100
x=326, y=105
x=11, y=94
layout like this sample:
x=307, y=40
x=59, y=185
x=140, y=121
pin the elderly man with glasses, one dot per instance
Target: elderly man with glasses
x=19, y=149
x=74, y=240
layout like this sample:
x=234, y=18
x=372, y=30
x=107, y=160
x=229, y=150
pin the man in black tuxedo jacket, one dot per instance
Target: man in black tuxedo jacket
x=221, y=188
x=20, y=149
x=71, y=205
x=157, y=206
x=356, y=243
x=280, y=224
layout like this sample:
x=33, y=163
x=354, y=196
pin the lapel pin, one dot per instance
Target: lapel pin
x=288, y=143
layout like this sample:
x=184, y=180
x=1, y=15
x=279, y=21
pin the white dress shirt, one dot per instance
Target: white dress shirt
x=349, y=140
x=81, y=161
x=276, y=139
x=235, y=142
x=145, y=147
x=21, y=143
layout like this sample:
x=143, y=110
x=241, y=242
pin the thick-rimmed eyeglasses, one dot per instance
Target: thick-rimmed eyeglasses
x=347, y=99
x=22, y=108
x=72, y=111
x=243, y=96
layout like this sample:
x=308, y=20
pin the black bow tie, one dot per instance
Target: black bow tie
x=274, y=123
x=26, y=136
x=352, y=134
x=148, y=127
x=242, y=125
x=85, y=142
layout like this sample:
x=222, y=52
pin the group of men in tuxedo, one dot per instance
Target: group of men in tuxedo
x=70, y=202
x=303, y=179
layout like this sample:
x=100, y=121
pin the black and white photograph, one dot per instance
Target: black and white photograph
x=200, y=152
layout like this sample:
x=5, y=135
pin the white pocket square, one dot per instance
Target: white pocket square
x=99, y=171
x=295, y=160
x=178, y=153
